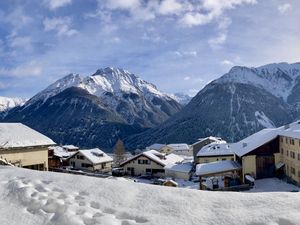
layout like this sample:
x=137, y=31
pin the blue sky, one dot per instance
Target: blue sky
x=179, y=45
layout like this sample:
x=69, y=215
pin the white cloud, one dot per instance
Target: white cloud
x=213, y=9
x=121, y=4
x=227, y=62
x=195, y=19
x=54, y=4
x=171, y=7
x=21, y=42
x=217, y=41
x=26, y=70
x=61, y=25
x=186, y=53
x=17, y=18
x=189, y=13
x=284, y=8
x=187, y=78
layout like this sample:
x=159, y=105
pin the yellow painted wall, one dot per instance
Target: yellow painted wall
x=213, y=159
x=286, y=147
x=26, y=156
x=166, y=150
x=249, y=165
x=140, y=169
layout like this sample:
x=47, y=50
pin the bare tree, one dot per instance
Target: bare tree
x=119, y=153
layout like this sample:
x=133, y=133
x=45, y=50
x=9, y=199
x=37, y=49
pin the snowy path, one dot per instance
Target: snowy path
x=30, y=198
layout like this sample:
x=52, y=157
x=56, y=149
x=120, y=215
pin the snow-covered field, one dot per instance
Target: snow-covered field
x=31, y=197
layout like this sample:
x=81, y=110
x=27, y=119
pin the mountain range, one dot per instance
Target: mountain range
x=236, y=105
x=95, y=110
x=112, y=103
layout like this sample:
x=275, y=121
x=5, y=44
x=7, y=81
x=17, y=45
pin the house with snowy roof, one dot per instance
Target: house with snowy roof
x=216, y=151
x=271, y=152
x=201, y=142
x=58, y=156
x=70, y=148
x=182, y=170
x=93, y=160
x=178, y=149
x=156, y=146
x=150, y=162
x=24, y=147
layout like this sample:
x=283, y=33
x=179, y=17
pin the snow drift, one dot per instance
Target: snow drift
x=32, y=197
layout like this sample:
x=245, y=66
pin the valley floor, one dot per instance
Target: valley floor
x=31, y=197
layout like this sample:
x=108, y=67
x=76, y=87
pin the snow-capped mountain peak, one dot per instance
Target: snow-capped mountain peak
x=279, y=78
x=110, y=79
x=7, y=103
x=71, y=80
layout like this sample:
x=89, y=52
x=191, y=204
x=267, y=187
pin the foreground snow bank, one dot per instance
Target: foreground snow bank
x=31, y=197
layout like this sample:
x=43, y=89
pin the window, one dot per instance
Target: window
x=85, y=165
x=281, y=150
x=286, y=140
x=292, y=154
x=223, y=159
x=80, y=157
x=148, y=170
x=292, y=141
x=298, y=156
x=298, y=173
x=293, y=170
x=287, y=152
x=143, y=161
x=281, y=139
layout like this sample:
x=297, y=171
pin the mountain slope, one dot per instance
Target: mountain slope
x=95, y=110
x=77, y=117
x=8, y=103
x=234, y=106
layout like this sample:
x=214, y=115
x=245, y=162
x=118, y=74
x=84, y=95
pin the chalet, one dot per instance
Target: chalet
x=220, y=175
x=178, y=149
x=70, y=148
x=156, y=147
x=202, y=142
x=179, y=170
x=216, y=151
x=149, y=162
x=24, y=147
x=258, y=153
x=93, y=160
x=58, y=157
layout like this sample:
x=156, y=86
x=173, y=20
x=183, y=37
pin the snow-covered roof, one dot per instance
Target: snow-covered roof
x=179, y=147
x=17, y=135
x=291, y=130
x=156, y=146
x=96, y=155
x=217, y=167
x=210, y=138
x=179, y=167
x=70, y=147
x=214, y=149
x=160, y=158
x=61, y=152
x=254, y=141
